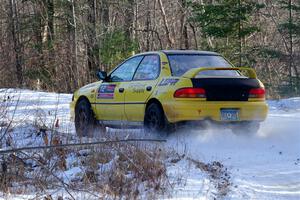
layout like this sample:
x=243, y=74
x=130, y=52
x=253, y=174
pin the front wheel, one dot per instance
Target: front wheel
x=84, y=119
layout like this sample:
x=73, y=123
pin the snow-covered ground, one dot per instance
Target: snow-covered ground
x=262, y=166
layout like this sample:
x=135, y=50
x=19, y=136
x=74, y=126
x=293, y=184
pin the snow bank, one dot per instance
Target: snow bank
x=291, y=104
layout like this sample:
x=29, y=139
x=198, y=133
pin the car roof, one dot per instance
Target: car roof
x=170, y=52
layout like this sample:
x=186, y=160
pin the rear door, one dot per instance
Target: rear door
x=111, y=95
x=141, y=87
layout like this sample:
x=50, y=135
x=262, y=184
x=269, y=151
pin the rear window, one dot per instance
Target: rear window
x=181, y=63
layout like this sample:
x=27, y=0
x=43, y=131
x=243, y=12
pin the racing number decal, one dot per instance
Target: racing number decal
x=106, y=92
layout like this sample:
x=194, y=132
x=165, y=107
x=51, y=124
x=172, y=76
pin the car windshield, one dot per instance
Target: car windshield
x=181, y=63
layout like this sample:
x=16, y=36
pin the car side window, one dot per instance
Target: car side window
x=126, y=70
x=148, y=69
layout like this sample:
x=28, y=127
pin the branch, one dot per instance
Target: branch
x=78, y=145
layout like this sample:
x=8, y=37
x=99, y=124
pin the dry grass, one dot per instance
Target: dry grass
x=127, y=170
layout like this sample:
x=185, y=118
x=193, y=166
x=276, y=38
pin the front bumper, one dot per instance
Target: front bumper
x=191, y=110
x=72, y=111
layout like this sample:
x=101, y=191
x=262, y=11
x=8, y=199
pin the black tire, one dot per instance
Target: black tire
x=245, y=128
x=84, y=119
x=155, y=120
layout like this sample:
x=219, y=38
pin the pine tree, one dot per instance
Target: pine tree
x=227, y=22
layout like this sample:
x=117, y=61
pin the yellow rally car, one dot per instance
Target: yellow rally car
x=160, y=89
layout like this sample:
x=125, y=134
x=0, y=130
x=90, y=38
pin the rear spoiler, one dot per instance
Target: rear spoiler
x=193, y=72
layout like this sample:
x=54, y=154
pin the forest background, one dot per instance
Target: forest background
x=58, y=45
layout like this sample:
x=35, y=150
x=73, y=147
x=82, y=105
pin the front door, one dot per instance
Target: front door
x=109, y=101
x=111, y=95
x=141, y=87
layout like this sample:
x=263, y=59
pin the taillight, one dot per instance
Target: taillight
x=257, y=93
x=190, y=93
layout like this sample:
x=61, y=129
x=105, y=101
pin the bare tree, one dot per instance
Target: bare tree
x=15, y=34
x=167, y=29
x=92, y=42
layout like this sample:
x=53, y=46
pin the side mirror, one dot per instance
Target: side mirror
x=102, y=75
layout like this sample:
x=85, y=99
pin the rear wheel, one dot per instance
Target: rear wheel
x=245, y=128
x=155, y=120
x=84, y=119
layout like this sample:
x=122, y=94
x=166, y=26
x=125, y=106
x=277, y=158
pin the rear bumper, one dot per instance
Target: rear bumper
x=192, y=110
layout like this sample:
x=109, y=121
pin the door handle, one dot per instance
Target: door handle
x=148, y=88
x=121, y=90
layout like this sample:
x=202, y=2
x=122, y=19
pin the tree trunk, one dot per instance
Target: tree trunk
x=39, y=40
x=72, y=29
x=162, y=9
x=105, y=23
x=239, y=34
x=92, y=43
x=15, y=34
x=50, y=41
x=129, y=19
x=50, y=23
x=195, y=35
x=184, y=43
x=148, y=21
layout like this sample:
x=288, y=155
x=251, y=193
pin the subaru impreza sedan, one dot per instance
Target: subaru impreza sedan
x=158, y=90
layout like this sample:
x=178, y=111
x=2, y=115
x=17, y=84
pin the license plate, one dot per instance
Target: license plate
x=230, y=114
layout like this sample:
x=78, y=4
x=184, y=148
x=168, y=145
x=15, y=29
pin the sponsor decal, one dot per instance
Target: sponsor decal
x=138, y=88
x=106, y=91
x=171, y=81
